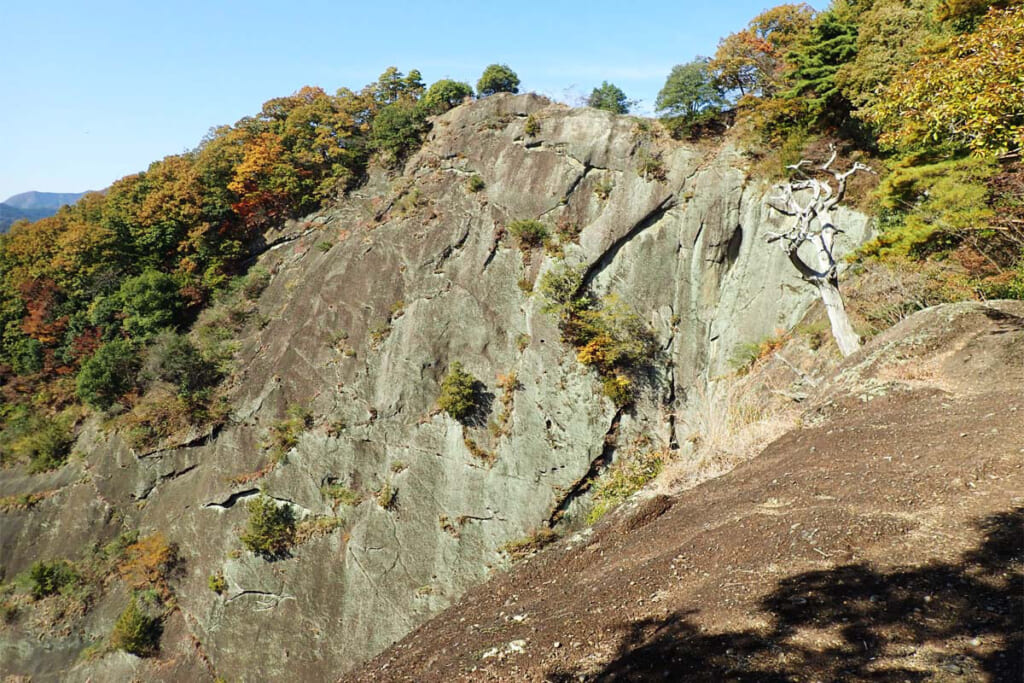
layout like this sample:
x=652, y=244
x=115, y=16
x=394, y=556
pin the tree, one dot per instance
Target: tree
x=397, y=129
x=812, y=223
x=690, y=92
x=497, y=78
x=460, y=393
x=271, y=529
x=150, y=303
x=831, y=43
x=752, y=61
x=966, y=96
x=610, y=98
x=108, y=374
x=443, y=95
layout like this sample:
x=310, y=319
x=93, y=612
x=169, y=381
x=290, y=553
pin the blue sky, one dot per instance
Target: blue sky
x=91, y=91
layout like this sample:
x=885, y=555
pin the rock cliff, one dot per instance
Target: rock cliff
x=368, y=304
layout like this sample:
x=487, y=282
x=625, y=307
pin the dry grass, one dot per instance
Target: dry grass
x=731, y=421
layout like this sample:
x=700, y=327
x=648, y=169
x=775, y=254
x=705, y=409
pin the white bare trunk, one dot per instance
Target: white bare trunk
x=846, y=338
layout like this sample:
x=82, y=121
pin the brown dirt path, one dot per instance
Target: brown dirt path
x=881, y=541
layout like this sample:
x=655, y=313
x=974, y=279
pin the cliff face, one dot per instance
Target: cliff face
x=368, y=304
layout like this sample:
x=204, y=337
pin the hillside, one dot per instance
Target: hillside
x=740, y=382
x=881, y=540
x=342, y=350
x=33, y=206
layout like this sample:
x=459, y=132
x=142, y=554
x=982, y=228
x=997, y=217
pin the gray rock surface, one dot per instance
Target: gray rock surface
x=417, y=275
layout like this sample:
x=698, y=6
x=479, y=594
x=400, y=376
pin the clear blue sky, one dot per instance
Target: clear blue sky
x=92, y=91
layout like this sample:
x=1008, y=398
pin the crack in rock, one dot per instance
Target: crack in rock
x=265, y=600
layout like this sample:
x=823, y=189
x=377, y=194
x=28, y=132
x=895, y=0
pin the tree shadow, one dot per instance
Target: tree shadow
x=483, y=403
x=963, y=619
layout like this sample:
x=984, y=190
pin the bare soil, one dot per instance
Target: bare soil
x=882, y=540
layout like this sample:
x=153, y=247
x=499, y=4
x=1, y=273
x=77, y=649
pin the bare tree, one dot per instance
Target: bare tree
x=812, y=222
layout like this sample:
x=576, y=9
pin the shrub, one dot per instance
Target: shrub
x=175, y=359
x=624, y=478
x=49, y=447
x=137, y=630
x=532, y=126
x=255, y=282
x=271, y=528
x=526, y=546
x=108, y=374
x=459, y=393
x=475, y=183
x=386, y=496
x=529, y=233
x=217, y=583
x=339, y=495
x=47, y=578
x=497, y=78
x=284, y=434
x=148, y=561
x=560, y=286
x=747, y=355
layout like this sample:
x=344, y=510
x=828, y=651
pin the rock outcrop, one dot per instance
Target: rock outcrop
x=368, y=304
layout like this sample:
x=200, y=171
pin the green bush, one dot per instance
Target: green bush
x=137, y=630
x=48, y=578
x=108, y=374
x=49, y=446
x=560, y=287
x=459, y=393
x=255, y=281
x=475, y=183
x=529, y=233
x=271, y=528
x=497, y=78
x=624, y=478
x=217, y=583
x=173, y=358
x=532, y=126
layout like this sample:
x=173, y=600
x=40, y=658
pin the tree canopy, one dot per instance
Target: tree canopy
x=497, y=78
x=690, y=91
x=609, y=97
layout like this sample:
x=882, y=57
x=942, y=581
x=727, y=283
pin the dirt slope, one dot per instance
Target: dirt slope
x=880, y=541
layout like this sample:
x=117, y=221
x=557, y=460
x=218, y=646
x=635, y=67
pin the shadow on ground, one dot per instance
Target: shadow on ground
x=940, y=621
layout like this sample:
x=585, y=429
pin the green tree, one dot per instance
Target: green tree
x=610, y=98
x=690, y=95
x=831, y=43
x=48, y=578
x=150, y=303
x=497, y=78
x=443, y=95
x=398, y=129
x=460, y=392
x=271, y=528
x=136, y=630
x=108, y=374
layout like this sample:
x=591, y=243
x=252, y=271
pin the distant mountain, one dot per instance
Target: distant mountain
x=33, y=206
